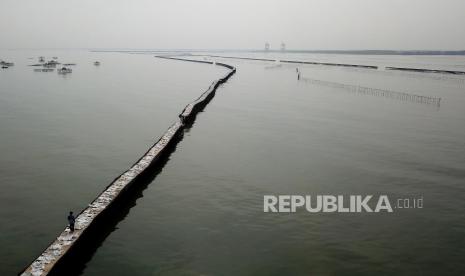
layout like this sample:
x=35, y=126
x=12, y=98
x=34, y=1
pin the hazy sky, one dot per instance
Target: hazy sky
x=228, y=24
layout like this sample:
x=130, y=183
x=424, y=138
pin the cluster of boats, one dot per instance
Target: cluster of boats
x=47, y=66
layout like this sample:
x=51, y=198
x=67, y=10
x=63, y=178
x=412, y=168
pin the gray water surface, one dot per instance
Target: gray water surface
x=267, y=133
x=65, y=138
x=263, y=133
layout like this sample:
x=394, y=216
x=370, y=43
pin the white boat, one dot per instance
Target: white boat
x=64, y=70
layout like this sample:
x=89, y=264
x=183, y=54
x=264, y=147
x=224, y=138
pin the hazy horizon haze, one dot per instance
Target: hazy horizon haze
x=208, y=24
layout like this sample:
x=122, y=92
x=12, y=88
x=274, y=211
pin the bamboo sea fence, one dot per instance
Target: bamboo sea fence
x=370, y=91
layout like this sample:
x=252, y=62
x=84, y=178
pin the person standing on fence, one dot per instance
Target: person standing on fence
x=71, y=221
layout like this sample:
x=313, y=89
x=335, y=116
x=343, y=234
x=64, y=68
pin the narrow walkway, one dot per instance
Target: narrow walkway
x=64, y=243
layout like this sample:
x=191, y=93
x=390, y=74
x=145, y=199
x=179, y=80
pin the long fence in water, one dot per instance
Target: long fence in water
x=458, y=80
x=54, y=255
x=420, y=70
x=376, y=91
x=296, y=61
x=332, y=64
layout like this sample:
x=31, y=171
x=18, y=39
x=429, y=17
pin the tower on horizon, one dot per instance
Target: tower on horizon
x=267, y=46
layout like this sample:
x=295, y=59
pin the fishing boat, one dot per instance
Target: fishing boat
x=7, y=64
x=44, y=70
x=49, y=65
x=64, y=71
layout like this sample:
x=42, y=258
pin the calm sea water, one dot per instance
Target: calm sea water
x=64, y=139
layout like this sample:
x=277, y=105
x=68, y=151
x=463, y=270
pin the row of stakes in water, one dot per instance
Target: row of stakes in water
x=374, y=91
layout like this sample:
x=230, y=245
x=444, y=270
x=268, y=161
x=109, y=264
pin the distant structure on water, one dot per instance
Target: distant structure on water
x=267, y=46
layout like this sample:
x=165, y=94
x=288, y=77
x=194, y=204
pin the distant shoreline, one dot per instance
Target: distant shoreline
x=384, y=52
x=342, y=52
